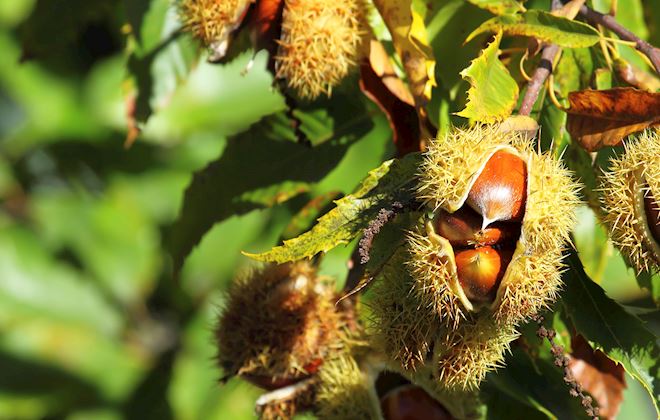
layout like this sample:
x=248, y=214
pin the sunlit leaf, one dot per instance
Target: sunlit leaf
x=411, y=43
x=543, y=26
x=264, y=167
x=599, y=118
x=493, y=92
x=499, y=7
x=384, y=185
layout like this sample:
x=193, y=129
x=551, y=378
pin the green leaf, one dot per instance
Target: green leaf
x=264, y=167
x=161, y=57
x=538, y=384
x=608, y=327
x=307, y=215
x=447, y=25
x=544, y=26
x=499, y=7
x=384, y=185
x=493, y=92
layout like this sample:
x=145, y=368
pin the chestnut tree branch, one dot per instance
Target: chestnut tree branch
x=538, y=79
x=610, y=23
x=540, y=74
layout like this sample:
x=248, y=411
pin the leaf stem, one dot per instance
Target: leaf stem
x=610, y=23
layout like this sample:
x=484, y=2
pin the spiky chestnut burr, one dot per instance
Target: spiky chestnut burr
x=321, y=42
x=631, y=199
x=213, y=22
x=465, y=355
x=467, y=158
x=278, y=325
x=401, y=330
x=346, y=389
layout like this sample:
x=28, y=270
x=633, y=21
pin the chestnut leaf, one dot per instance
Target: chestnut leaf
x=392, y=181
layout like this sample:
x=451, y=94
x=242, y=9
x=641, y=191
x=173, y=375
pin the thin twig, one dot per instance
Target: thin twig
x=538, y=79
x=540, y=74
x=610, y=23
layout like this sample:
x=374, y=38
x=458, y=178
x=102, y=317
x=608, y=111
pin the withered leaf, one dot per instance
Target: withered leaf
x=603, y=378
x=380, y=83
x=599, y=118
x=266, y=24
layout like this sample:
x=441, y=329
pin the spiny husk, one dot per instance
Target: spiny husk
x=346, y=391
x=212, y=21
x=630, y=177
x=420, y=343
x=401, y=329
x=321, y=42
x=453, y=162
x=277, y=321
x=529, y=286
x=463, y=356
x=531, y=282
x=436, y=286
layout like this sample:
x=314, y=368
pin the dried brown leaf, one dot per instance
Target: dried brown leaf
x=599, y=118
x=266, y=24
x=603, y=378
x=380, y=83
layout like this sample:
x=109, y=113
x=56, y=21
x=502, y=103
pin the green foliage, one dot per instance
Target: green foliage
x=499, y=7
x=543, y=26
x=607, y=326
x=493, y=92
x=115, y=260
x=351, y=215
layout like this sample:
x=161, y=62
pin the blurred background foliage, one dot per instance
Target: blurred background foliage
x=94, y=323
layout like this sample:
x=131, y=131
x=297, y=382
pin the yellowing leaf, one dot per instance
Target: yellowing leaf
x=543, y=26
x=384, y=185
x=499, y=7
x=411, y=44
x=493, y=92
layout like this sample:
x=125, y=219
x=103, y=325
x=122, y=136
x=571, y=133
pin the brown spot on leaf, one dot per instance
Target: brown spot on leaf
x=599, y=118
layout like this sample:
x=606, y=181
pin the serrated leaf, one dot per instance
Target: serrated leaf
x=493, y=92
x=383, y=185
x=608, y=327
x=255, y=171
x=266, y=165
x=499, y=7
x=543, y=26
x=599, y=118
x=537, y=383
